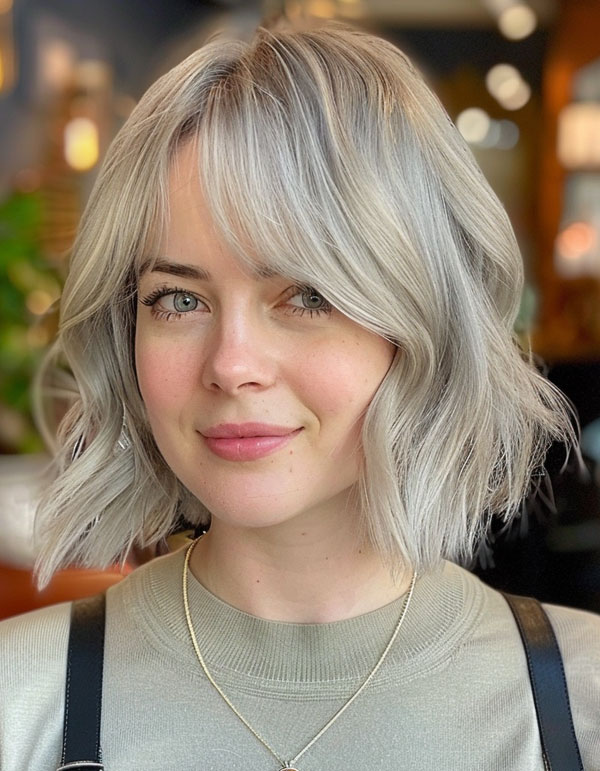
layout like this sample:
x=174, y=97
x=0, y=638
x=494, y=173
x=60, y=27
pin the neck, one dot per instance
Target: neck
x=294, y=573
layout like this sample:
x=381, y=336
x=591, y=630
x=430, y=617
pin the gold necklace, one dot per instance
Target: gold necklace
x=286, y=765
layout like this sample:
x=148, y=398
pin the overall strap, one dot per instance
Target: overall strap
x=83, y=693
x=544, y=661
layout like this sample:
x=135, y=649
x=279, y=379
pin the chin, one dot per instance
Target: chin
x=242, y=511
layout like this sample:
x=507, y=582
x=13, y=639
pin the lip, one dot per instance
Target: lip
x=247, y=441
x=237, y=430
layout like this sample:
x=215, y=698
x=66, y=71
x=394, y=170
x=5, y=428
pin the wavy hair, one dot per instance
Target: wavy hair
x=324, y=152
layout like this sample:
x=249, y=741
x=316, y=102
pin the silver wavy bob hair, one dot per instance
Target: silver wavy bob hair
x=323, y=151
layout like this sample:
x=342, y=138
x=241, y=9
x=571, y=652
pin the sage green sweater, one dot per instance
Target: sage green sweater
x=452, y=694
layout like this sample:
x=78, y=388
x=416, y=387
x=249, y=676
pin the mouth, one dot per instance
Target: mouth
x=247, y=441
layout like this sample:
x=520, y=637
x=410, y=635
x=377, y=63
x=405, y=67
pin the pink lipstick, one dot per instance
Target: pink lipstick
x=247, y=441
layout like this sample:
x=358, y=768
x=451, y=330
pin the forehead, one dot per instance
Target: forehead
x=188, y=229
x=184, y=164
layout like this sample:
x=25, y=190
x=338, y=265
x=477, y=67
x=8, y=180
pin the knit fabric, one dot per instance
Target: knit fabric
x=453, y=692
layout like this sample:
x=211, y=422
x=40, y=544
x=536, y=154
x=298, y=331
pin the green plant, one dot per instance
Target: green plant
x=29, y=288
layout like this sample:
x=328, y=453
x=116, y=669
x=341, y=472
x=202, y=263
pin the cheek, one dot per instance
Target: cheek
x=344, y=381
x=161, y=372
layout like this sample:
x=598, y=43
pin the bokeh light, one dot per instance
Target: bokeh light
x=39, y=301
x=324, y=9
x=473, y=123
x=517, y=21
x=506, y=84
x=502, y=80
x=478, y=129
x=518, y=98
x=56, y=64
x=81, y=144
x=576, y=239
x=578, y=144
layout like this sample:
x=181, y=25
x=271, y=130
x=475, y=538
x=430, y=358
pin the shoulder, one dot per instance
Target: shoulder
x=578, y=633
x=47, y=627
x=33, y=660
x=33, y=649
x=578, y=636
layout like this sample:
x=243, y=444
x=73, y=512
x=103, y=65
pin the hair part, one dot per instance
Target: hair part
x=324, y=156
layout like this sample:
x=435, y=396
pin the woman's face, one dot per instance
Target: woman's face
x=218, y=349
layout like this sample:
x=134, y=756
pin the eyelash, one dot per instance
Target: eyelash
x=154, y=296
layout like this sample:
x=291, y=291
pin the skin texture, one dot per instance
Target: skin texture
x=242, y=348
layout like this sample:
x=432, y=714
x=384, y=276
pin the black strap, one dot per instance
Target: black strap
x=547, y=674
x=83, y=692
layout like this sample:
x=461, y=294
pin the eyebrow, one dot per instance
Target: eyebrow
x=183, y=270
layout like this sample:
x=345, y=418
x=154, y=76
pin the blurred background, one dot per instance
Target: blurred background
x=520, y=79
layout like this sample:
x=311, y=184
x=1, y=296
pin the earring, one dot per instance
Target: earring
x=124, y=440
x=78, y=448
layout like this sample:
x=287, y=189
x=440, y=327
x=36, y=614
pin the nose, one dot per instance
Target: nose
x=239, y=355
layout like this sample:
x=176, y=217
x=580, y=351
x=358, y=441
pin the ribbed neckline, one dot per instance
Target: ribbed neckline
x=444, y=606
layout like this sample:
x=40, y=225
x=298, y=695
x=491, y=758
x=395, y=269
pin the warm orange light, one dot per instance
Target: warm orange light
x=6, y=6
x=56, y=63
x=576, y=240
x=81, y=144
x=38, y=301
x=579, y=135
x=324, y=9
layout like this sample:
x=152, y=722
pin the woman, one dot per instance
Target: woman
x=289, y=316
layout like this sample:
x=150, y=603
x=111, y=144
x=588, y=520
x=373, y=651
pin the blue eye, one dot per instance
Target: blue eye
x=312, y=301
x=167, y=303
x=183, y=302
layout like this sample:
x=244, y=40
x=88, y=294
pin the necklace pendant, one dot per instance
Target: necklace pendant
x=288, y=767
